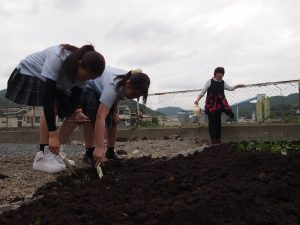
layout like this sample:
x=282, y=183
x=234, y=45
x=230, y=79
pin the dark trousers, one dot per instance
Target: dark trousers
x=214, y=126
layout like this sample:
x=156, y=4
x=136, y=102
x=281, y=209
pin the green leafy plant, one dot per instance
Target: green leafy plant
x=276, y=147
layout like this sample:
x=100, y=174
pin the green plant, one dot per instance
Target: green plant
x=276, y=147
x=155, y=121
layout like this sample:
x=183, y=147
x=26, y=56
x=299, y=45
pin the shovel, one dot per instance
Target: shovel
x=99, y=170
x=68, y=165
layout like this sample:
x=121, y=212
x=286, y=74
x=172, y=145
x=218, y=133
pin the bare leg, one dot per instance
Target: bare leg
x=44, y=134
x=89, y=134
x=111, y=142
x=66, y=129
x=111, y=136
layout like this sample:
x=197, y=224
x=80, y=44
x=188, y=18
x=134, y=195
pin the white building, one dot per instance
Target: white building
x=12, y=117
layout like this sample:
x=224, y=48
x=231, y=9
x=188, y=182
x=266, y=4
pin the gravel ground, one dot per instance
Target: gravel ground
x=19, y=182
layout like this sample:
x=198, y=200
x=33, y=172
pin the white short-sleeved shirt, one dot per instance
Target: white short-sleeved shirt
x=47, y=64
x=207, y=85
x=105, y=85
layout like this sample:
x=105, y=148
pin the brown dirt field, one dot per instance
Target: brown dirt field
x=20, y=182
x=216, y=186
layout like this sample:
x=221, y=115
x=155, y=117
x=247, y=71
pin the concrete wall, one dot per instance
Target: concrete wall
x=229, y=133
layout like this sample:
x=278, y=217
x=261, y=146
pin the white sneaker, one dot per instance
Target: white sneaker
x=59, y=160
x=46, y=162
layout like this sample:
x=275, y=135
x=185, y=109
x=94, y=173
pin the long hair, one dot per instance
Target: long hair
x=138, y=80
x=90, y=59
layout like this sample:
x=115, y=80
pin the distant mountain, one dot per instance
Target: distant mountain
x=170, y=111
x=2, y=93
x=2, y=99
x=132, y=104
x=4, y=103
x=277, y=103
x=245, y=109
x=292, y=99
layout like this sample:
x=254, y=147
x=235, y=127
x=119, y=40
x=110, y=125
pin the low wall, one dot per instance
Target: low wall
x=229, y=133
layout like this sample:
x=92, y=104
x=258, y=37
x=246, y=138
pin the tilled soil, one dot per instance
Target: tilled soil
x=19, y=182
x=216, y=186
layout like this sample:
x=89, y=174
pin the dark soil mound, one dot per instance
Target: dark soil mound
x=213, y=187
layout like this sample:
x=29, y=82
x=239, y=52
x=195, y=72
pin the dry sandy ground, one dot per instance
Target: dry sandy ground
x=19, y=182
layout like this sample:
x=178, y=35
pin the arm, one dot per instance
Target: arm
x=50, y=71
x=203, y=91
x=239, y=86
x=116, y=106
x=116, y=112
x=49, y=112
x=197, y=100
x=232, y=88
x=75, y=102
x=103, y=111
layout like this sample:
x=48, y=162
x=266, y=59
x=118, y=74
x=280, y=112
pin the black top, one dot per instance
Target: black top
x=216, y=100
x=216, y=88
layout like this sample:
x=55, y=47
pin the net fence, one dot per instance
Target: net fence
x=272, y=102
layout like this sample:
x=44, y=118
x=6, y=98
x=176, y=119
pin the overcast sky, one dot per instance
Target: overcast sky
x=178, y=43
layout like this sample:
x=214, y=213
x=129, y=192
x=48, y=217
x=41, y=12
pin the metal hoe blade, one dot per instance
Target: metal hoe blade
x=99, y=170
x=68, y=165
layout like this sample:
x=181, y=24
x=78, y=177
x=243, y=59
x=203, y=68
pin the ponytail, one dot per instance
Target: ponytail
x=123, y=79
x=89, y=58
x=68, y=47
x=138, y=80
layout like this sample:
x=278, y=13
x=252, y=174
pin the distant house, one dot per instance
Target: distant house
x=124, y=115
x=12, y=117
x=22, y=117
x=183, y=117
x=171, y=121
x=33, y=117
x=147, y=118
x=159, y=120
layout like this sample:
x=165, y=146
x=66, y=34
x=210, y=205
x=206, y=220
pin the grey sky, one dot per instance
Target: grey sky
x=178, y=43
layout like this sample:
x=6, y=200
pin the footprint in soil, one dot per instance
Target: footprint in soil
x=3, y=176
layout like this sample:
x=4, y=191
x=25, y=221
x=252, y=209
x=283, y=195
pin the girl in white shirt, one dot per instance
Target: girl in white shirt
x=54, y=78
x=100, y=103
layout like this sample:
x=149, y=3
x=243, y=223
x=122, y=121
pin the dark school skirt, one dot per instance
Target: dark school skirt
x=28, y=90
x=90, y=104
x=25, y=90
